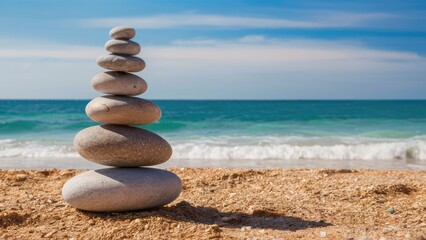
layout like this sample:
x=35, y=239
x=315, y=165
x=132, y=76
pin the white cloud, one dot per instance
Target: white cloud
x=325, y=19
x=77, y=53
x=248, y=67
x=260, y=49
x=248, y=49
x=18, y=49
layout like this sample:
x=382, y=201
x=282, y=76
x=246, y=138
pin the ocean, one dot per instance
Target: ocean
x=228, y=133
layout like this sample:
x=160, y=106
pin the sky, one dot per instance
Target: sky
x=220, y=49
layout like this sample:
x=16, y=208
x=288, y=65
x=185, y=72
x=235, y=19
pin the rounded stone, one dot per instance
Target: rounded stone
x=119, y=83
x=122, y=63
x=121, y=46
x=123, y=110
x=121, y=189
x=122, y=32
x=122, y=146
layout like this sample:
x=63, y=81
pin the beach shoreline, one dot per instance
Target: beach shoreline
x=81, y=163
x=229, y=204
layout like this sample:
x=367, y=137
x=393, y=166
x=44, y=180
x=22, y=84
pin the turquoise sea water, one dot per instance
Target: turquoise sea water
x=235, y=130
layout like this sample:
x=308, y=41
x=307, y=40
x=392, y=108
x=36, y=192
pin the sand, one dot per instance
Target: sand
x=229, y=204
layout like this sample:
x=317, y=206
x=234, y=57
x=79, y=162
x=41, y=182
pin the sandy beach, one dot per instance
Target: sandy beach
x=229, y=204
x=213, y=120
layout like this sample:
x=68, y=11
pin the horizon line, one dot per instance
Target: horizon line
x=224, y=99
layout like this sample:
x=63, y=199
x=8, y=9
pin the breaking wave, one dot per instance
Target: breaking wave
x=10, y=148
x=415, y=150
x=231, y=149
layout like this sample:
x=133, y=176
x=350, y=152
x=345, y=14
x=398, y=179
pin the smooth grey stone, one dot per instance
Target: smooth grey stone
x=123, y=32
x=119, y=83
x=123, y=110
x=121, y=46
x=122, y=63
x=121, y=189
x=122, y=146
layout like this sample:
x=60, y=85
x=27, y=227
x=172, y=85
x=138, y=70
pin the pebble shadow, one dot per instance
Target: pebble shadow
x=185, y=212
x=12, y=218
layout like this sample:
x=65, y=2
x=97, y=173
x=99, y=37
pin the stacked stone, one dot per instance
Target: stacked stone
x=128, y=185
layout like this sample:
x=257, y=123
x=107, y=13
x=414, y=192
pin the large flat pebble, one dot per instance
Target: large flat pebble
x=124, y=110
x=119, y=83
x=124, y=63
x=122, y=146
x=120, y=46
x=121, y=189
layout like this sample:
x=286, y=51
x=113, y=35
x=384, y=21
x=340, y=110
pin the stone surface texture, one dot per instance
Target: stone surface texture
x=122, y=146
x=124, y=63
x=119, y=83
x=122, y=189
x=122, y=46
x=123, y=110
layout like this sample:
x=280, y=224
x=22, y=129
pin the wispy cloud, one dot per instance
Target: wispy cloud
x=258, y=48
x=279, y=68
x=67, y=53
x=248, y=49
x=325, y=19
x=18, y=49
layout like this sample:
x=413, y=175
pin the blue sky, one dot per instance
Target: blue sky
x=220, y=49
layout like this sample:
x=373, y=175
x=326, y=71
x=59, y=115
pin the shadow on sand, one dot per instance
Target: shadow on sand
x=185, y=212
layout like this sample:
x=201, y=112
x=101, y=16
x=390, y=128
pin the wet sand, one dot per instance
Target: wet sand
x=229, y=204
x=81, y=163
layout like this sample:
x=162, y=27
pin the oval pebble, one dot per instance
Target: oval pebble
x=122, y=32
x=123, y=110
x=122, y=63
x=122, y=146
x=120, y=46
x=119, y=83
x=121, y=189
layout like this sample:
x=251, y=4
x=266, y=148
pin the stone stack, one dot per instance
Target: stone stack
x=128, y=185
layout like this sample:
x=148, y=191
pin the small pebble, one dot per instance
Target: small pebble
x=21, y=177
x=323, y=234
x=214, y=228
x=391, y=210
x=122, y=32
x=245, y=228
x=136, y=221
x=50, y=234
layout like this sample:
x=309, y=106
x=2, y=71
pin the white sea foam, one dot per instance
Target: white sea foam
x=10, y=148
x=415, y=150
x=241, y=148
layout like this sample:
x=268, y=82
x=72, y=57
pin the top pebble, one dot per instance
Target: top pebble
x=122, y=32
